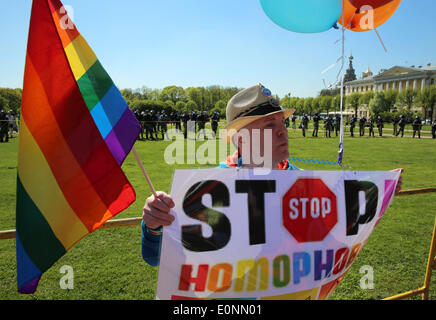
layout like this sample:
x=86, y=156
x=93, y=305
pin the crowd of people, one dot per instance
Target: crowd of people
x=154, y=125
x=333, y=124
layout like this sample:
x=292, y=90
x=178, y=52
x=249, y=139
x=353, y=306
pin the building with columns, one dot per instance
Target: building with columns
x=398, y=78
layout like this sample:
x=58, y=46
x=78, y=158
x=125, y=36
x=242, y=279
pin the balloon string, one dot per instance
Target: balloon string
x=313, y=161
x=381, y=41
x=325, y=162
x=341, y=133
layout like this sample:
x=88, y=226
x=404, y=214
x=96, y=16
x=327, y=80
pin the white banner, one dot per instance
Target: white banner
x=284, y=235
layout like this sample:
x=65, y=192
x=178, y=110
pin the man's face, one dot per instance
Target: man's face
x=279, y=136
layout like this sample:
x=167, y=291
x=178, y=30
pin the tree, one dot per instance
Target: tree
x=391, y=97
x=286, y=102
x=316, y=105
x=308, y=105
x=330, y=92
x=191, y=106
x=173, y=94
x=4, y=105
x=13, y=97
x=325, y=103
x=336, y=103
x=427, y=99
x=407, y=97
x=378, y=104
x=180, y=106
x=195, y=95
x=221, y=105
x=147, y=105
x=215, y=93
x=299, y=106
x=353, y=101
x=145, y=92
x=365, y=98
x=169, y=106
x=127, y=94
x=155, y=94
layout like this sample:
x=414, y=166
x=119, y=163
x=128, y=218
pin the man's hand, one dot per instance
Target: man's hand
x=398, y=187
x=156, y=211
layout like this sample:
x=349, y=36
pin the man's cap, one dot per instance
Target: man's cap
x=249, y=105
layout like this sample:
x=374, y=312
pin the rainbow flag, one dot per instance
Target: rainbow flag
x=76, y=130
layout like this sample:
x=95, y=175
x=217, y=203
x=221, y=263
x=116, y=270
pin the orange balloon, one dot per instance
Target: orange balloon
x=369, y=19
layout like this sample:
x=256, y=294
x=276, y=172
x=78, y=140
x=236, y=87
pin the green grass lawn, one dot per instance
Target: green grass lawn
x=108, y=265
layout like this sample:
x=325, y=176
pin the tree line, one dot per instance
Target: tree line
x=215, y=98
x=171, y=98
x=179, y=99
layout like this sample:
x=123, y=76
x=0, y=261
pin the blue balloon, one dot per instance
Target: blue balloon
x=305, y=16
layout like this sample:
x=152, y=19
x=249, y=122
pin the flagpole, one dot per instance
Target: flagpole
x=144, y=172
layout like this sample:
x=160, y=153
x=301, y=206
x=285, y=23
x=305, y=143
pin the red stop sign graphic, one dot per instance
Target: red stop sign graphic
x=309, y=210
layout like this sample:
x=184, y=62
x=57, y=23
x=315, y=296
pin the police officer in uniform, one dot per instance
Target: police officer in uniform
x=139, y=118
x=201, y=119
x=4, y=124
x=337, y=124
x=154, y=120
x=177, y=121
x=352, y=125
x=316, y=119
x=304, y=124
x=380, y=126
x=194, y=118
x=185, y=118
x=148, y=126
x=402, y=124
x=328, y=125
x=395, y=122
x=215, y=119
x=294, y=118
x=371, y=126
x=157, y=122
x=417, y=126
x=362, y=123
x=163, y=124
x=433, y=129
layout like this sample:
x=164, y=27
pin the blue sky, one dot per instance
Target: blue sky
x=226, y=42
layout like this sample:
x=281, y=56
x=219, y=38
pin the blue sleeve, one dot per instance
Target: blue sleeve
x=150, y=246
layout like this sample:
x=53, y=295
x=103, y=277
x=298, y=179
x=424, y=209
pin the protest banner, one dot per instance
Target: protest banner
x=282, y=235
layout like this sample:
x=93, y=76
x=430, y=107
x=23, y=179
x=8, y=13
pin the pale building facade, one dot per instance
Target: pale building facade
x=397, y=78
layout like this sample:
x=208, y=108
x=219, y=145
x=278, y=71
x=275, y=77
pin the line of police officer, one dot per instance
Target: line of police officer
x=363, y=123
x=157, y=122
x=330, y=124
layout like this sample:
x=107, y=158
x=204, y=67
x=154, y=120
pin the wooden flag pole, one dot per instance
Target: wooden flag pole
x=144, y=172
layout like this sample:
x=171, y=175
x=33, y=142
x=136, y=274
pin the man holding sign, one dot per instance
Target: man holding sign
x=256, y=127
x=252, y=109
